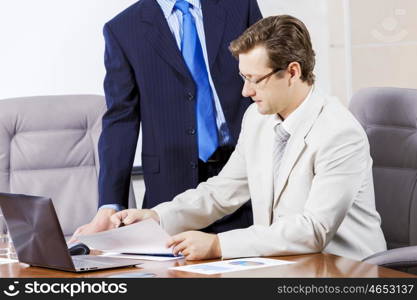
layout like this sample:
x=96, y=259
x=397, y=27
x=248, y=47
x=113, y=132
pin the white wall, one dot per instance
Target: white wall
x=56, y=46
x=53, y=46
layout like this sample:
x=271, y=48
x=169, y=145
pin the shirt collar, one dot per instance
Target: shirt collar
x=291, y=123
x=167, y=6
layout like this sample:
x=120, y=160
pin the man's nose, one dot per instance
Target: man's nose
x=248, y=90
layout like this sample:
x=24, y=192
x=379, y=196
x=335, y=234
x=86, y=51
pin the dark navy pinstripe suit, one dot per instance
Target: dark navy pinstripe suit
x=148, y=82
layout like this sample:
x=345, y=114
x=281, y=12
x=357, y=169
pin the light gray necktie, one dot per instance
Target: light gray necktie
x=281, y=139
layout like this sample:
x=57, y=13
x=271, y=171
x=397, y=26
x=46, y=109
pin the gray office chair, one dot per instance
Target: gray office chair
x=389, y=116
x=48, y=147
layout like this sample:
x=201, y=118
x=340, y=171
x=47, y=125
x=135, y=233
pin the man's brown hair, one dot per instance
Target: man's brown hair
x=286, y=40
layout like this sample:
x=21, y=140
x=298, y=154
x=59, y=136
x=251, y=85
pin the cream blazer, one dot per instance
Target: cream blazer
x=325, y=197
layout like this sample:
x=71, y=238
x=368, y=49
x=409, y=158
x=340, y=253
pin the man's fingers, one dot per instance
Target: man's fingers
x=116, y=218
x=72, y=240
x=74, y=236
x=120, y=217
x=180, y=248
x=129, y=220
x=188, y=254
x=127, y=217
x=185, y=253
x=77, y=232
x=174, y=240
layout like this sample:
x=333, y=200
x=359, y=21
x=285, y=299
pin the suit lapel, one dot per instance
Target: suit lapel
x=296, y=143
x=161, y=38
x=293, y=150
x=214, y=18
x=266, y=170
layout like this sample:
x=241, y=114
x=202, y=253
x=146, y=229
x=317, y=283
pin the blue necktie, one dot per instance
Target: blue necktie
x=194, y=59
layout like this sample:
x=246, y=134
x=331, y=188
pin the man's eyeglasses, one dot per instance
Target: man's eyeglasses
x=256, y=81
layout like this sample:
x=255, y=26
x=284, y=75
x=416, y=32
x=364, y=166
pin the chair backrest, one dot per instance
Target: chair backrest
x=48, y=147
x=389, y=117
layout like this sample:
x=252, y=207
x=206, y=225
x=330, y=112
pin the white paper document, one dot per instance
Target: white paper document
x=146, y=237
x=232, y=265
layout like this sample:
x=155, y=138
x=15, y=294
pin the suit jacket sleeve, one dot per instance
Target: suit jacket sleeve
x=341, y=166
x=218, y=196
x=120, y=125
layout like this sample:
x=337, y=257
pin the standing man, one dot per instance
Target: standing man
x=169, y=68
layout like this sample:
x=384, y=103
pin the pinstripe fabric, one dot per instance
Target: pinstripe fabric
x=281, y=139
x=147, y=84
x=174, y=19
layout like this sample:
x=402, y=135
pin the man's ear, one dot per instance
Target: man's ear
x=294, y=69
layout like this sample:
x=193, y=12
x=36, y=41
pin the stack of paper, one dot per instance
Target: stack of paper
x=146, y=237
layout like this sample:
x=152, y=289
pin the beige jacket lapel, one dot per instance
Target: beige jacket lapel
x=296, y=143
x=266, y=171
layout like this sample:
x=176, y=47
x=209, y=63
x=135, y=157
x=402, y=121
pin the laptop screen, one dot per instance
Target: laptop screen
x=35, y=231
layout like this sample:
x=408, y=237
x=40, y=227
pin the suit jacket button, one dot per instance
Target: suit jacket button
x=191, y=131
x=190, y=96
x=193, y=165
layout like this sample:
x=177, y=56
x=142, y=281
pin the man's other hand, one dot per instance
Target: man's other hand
x=101, y=222
x=130, y=216
x=196, y=245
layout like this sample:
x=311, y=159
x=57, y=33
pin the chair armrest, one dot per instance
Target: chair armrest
x=404, y=257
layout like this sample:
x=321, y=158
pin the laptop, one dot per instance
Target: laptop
x=38, y=239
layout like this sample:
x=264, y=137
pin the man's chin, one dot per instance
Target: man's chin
x=262, y=110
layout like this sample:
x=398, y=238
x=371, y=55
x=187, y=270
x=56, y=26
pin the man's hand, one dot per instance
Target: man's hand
x=130, y=216
x=196, y=245
x=101, y=222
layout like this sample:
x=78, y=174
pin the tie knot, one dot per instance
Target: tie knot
x=281, y=134
x=183, y=6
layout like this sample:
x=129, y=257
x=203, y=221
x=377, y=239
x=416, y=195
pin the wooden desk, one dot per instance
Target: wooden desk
x=311, y=265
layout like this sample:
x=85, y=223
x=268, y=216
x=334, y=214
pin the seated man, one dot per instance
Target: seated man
x=301, y=156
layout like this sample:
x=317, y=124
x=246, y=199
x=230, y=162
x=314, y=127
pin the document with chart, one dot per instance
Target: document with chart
x=232, y=265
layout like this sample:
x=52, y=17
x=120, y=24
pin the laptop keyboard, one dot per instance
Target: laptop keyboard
x=83, y=262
